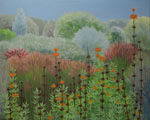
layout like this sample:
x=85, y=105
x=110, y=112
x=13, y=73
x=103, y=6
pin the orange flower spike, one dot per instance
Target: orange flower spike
x=133, y=9
x=98, y=49
x=11, y=85
x=15, y=95
x=50, y=117
x=53, y=86
x=101, y=69
x=94, y=88
x=101, y=58
x=108, y=94
x=59, y=99
x=112, y=70
x=69, y=98
x=62, y=82
x=113, y=79
x=82, y=88
x=63, y=104
x=97, y=55
x=96, y=70
x=55, y=54
x=105, y=86
x=55, y=49
x=12, y=74
x=118, y=102
x=83, y=77
x=133, y=16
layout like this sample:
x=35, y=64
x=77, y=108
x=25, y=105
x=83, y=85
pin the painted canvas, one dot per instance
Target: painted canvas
x=74, y=59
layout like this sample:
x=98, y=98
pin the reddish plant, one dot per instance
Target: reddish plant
x=120, y=50
x=20, y=53
x=38, y=60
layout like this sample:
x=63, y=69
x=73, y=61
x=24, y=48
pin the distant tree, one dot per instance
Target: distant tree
x=49, y=29
x=69, y=24
x=117, y=35
x=89, y=37
x=6, y=34
x=118, y=23
x=142, y=31
x=20, y=25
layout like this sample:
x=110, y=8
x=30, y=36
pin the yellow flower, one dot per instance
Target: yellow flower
x=118, y=102
x=90, y=101
x=113, y=79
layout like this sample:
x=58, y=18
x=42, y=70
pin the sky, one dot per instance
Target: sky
x=53, y=9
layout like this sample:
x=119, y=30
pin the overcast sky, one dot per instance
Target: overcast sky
x=53, y=9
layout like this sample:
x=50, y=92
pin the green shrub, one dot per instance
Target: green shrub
x=49, y=29
x=142, y=31
x=29, y=42
x=117, y=35
x=70, y=23
x=6, y=34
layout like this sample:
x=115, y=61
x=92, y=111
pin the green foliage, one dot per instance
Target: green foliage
x=142, y=31
x=118, y=23
x=24, y=112
x=7, y=20
x=19, y=25
x=40, y=23
x=117, y=35
x=12, y=108
x=39, y=107
x=70, y=23
x=6, y=34
x=49, y=29
x=90, y=38
x=29, y=42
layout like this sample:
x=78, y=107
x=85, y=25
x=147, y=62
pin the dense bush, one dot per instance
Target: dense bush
x=19, y=26
x=40, y=23
x=68, y=50
x=142, y=31
x=6, y=34
x=70, y=23
x=30, y=71
x=118, y=23
x=117, y=35
x=49, y=29
x=121, y=54
x=90, y=38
